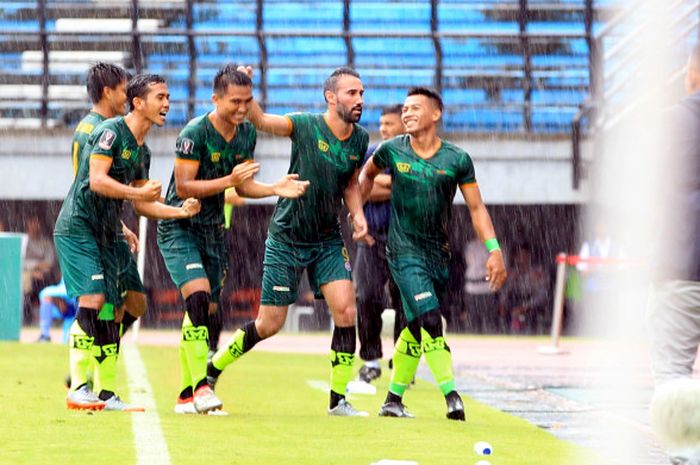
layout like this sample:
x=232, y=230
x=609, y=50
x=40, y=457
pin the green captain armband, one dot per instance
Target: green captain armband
x=492, y=245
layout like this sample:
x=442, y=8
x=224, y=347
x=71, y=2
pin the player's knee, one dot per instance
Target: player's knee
x=197, y=305
x=136, y=304
x=94, y=301
x=268, y=326
x=432, y=323
x=345, y=316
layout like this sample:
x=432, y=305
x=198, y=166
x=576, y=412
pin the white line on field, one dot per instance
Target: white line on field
x=149, y=442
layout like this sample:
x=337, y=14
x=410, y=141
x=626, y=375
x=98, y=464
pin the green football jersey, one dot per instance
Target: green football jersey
x=328, y=164
x=86, y=213
x=200, y=142
x=422, y=192
x=81, y=136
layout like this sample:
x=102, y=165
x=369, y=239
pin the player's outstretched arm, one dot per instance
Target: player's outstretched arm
x=287, y=186
x=102, y=183
x=160, y=211
x=274, y=124
x=186, y=184
x=366, y=179
x=267, y=122
x=495, y=267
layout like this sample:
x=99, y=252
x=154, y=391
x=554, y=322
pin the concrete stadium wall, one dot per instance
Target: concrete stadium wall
x=513, y=170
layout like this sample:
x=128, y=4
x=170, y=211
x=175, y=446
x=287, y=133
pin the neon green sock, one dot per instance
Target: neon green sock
x=407, y=352
x=232, y=351
x=105, y=359
x=79, y=355
x=439, y=359
x=185, y=375
x=195, y=344
x=341, y=370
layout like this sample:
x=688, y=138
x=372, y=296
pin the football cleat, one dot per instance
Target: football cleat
x=115, y=404
x=83, y=399
x=344, y=409
x=394, y=409
x=205, y=400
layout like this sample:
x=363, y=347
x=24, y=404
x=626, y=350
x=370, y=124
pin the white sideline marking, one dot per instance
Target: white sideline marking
x=149, y=442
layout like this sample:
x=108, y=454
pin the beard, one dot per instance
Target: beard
x=347, y=115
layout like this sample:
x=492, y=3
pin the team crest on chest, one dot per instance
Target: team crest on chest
x=216, y=157
x=126, y=154
x=323, y=145
x=403, y=167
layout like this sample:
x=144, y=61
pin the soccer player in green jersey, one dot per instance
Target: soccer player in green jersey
x=213, y=152
x=106, y=87
x=304, y=233
x=426, y=172
x=115, y=167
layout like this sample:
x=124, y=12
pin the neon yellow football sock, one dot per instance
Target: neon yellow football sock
x=439, y=359
x=196, y=347
x=79, y=355
x=407, y=352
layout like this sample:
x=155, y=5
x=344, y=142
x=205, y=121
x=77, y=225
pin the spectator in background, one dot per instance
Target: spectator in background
x=480, y=300
x=524, y=296
x=39, y=263
x=55, y=304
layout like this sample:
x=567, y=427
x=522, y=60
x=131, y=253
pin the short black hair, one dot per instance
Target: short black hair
x=331, y=82
x=230, y=76
x=395, y=109
x=101, y=75
x=428, y=92
x=138, y=86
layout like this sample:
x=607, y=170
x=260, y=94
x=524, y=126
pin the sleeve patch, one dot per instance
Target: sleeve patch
x=107, y=139
x=185, y=146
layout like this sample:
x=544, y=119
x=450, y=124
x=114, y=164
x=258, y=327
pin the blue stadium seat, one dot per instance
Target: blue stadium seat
x=310, y=51
x=392, y=16
x=316, y=15
x=407, y=53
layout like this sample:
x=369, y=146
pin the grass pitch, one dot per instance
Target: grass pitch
x=276, y=417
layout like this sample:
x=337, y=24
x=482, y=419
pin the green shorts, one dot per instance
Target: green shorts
x=284, y=263
x=193, y=255
x=129, y=279
x=422, y=283
x=88, y=267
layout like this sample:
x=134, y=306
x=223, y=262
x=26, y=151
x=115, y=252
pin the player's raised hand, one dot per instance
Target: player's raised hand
x=290, y=187
x=243, y=172
x=190, y=207
x=150, y=192
x=247, y=70
x=496, y=270
x=360, y=230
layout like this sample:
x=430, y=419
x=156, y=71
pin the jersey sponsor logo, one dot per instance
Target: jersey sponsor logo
x=185, y=146
x=126, y=154
x=403, y=167
x=323, y=145
x=97, y=277
x=107, y=139
x=422, y=296
x=194, y=266
x=216, y=157
x=280, y=288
